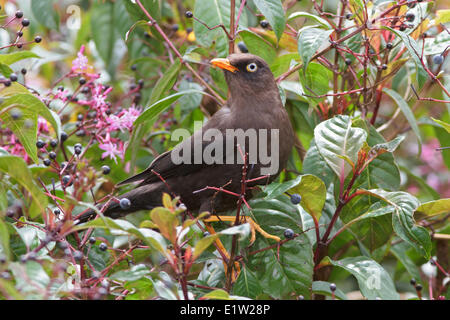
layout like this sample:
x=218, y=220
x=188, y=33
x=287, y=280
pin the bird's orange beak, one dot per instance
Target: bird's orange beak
x=223, y=64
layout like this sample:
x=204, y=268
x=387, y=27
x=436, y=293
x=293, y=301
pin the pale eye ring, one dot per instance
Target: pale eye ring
x=252, y=67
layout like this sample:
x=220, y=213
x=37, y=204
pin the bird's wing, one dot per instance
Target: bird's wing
x=166, y=168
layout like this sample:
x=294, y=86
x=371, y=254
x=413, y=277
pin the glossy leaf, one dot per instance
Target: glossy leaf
x=335, y=138
x=310, y=39
x=290, y=271
x=155, y=109
x=258, y=46
x=44, y=12
x=308, y=15
x=274, y=13
x=432, y=208
x=373, y=280
x=407, y=112
x=403, y=220
x=17, y=169
x=323, y=288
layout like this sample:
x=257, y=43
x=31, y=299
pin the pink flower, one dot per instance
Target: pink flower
x=112, y=150
x=80, y=64
x=42, y=125
x=124, y=121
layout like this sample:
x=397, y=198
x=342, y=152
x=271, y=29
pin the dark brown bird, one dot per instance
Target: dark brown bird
x=254, y=103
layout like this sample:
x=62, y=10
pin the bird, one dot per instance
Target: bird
x=253, y=103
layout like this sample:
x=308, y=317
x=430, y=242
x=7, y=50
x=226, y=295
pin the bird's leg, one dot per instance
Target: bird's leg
x=254, y=226
x=225, y=252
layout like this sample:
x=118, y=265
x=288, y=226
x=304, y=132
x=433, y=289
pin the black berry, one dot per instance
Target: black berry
x=92, y=240
x=64, y=136
x=40, y=144
x=106, y=169
x=25, y=22
x=67, y=180
x=242, y=47
x=264, y=24
x=332, y=287
x=53, y=143
x=188, y=14
x=47, y=162
x=402, y=27
x=289, y=234
x=37, y=39
x=296, y=198
x=82, y=81
x=78, y=255
x=438, y=59
x=348, y=61
x=13, y=77
x=19, y=14
x=384, y=66
x=103, y=246
x=389, y=45
x=125, y=203
x=419, y=287
x=52, y=155
x=134, y=67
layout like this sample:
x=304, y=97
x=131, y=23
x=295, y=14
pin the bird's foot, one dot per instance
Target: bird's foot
x=253, y=226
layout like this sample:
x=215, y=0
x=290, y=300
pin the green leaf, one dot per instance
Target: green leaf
x=415, y=52
x=203, y=244
x=316, y=82
x=26, y=126
x=5, y=70
x=399, y=250
x=30, y=276
x=45, y=13
x=217, y=294
x=373, y=280
x=383, y=171
x=166, y=82
x=217, y=12
x=310, y=39
x=11, y=58
x=17, y=169
x=152, y=6
x=317, y=19
x=104, y=20
x=133, y=274
x=166, y=222
x=443, y=124
x=289, y=269
x=403, y=219
x=258, y=46
x=323, y=288
x=274, y=13
x=151, y=112
x=336, y=138
x=407, y=112
x=435, y=207
x=247, y=284
x=309, y=187
x=4, y=240
x=150, y=237
x=315, y=164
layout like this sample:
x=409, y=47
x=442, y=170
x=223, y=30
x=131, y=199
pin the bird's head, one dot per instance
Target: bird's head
x=247, y=75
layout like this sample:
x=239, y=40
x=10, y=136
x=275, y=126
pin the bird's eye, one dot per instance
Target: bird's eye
x=252, y=67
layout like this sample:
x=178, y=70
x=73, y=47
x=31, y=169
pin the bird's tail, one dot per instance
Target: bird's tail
x=142, y=198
